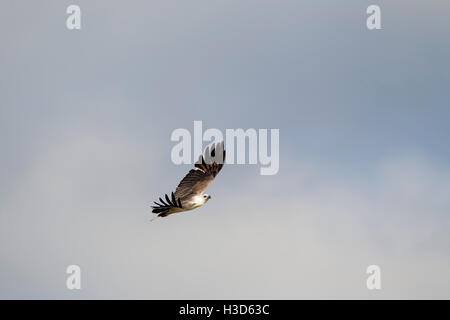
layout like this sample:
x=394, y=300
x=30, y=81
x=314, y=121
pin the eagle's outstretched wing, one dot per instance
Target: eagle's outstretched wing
x=163, y=208
x=197, y=180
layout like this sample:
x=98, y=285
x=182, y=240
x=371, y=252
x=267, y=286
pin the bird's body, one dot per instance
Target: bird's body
x=195, y=201
x=189, y=193
x=189, y=203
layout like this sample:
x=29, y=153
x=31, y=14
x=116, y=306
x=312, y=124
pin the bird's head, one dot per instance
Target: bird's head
x=206, y=197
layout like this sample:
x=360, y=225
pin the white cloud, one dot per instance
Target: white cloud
x=86, y=202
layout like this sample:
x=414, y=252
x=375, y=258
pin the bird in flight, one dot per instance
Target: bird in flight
x=189, y=193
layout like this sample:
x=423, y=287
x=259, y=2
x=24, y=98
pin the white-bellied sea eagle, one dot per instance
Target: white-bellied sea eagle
x=189, y=193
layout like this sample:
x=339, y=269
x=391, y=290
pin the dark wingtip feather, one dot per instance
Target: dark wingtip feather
x=174, y=201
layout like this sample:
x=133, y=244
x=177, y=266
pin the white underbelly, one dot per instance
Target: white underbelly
x=192, y=205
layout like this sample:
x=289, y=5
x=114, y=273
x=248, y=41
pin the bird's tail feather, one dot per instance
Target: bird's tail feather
x=151, y=220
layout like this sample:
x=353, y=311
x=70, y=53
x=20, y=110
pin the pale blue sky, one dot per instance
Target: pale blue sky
x=85, y=124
